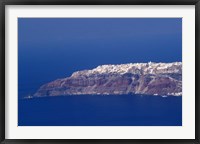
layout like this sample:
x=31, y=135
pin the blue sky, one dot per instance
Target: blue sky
x=50, y=48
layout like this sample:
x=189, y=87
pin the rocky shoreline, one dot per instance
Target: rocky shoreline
x=133, y=78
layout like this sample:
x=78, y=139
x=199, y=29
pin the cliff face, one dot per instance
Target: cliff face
x=137, y=78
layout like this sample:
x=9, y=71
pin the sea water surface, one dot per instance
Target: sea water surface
x=53, y=48
x=97, y=110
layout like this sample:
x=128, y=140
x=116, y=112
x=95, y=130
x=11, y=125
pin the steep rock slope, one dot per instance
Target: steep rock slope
x=136, y=78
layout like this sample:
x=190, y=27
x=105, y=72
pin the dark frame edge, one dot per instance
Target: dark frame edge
x=101, y=141
x=197, y=59
x=100, y=2
x=106, y=141
x=2, y=75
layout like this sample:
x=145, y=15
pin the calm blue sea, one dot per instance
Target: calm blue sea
x=87, y=110
x=52, y=48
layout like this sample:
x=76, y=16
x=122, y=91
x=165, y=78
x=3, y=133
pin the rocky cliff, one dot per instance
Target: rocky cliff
x=134, y=78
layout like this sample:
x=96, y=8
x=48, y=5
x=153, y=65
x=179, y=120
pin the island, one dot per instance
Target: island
x=133, y=78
